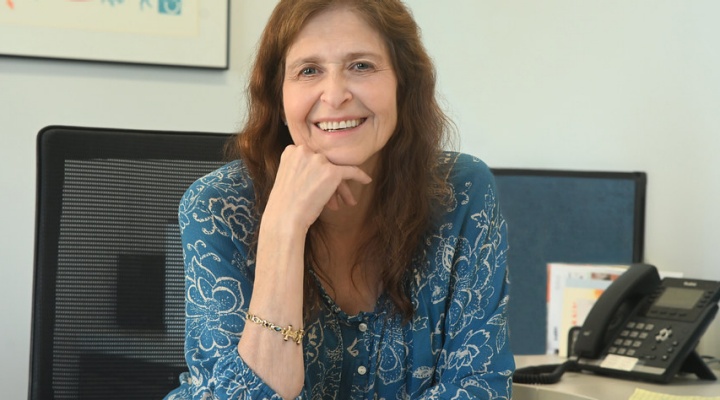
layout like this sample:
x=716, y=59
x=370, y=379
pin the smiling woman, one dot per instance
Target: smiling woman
x=339, y=89
x=342, y=253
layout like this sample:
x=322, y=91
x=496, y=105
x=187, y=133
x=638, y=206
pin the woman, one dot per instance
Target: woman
x=343, y=254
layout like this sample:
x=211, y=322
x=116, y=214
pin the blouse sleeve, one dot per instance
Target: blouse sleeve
x=476, y=361
x=216, y=226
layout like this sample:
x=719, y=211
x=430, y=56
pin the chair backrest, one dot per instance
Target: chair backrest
x=108, y=302
x=588, y=217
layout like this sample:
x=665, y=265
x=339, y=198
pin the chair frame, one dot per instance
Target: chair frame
x=55, y=144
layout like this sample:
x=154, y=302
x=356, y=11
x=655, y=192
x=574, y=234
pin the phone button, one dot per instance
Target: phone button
x=663, y=335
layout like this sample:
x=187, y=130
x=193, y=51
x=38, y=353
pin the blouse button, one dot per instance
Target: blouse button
x=362, y=370
x=362, y=327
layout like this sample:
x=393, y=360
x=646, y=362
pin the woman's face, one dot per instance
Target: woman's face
x=339, y=89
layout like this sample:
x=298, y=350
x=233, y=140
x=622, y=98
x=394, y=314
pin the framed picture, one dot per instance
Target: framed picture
x=188, y=33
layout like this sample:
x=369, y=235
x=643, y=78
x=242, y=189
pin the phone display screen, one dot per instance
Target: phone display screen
x=680, y=298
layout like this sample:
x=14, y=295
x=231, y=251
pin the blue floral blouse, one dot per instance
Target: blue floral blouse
x=455, y=347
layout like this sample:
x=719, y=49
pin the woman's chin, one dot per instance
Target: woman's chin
x=352, y=159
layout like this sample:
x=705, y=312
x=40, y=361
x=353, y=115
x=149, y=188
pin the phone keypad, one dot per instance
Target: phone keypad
x=646, y=341
x=633, y=337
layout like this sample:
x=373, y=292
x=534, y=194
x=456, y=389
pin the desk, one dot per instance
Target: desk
x=588, y=386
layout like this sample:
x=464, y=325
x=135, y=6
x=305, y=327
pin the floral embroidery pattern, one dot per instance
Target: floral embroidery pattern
x=455, y=347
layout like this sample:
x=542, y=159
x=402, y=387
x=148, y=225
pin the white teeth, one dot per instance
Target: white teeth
x=337, y=125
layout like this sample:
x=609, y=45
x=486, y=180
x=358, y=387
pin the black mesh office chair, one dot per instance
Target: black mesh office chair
x=108, y=302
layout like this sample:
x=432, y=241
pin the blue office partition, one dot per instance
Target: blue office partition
x=564, y=216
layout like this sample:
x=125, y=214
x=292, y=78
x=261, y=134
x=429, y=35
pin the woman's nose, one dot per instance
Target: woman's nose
x=335, y=90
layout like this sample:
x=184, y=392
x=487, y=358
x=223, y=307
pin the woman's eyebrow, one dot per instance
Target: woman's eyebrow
x=363, y=54
x=318, y=60
x=302, y=61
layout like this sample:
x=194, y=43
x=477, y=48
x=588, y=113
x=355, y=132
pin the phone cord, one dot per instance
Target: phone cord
x=544, y=374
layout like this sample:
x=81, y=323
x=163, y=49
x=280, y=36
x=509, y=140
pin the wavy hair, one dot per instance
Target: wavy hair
x=410, y=188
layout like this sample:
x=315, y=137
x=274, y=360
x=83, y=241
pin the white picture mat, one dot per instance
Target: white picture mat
x=200, y=42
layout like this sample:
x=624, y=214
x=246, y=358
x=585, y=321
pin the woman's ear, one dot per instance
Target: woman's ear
x=282, y=117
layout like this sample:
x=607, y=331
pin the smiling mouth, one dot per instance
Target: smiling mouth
x=336, y=126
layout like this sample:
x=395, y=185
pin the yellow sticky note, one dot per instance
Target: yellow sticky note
x=641, y=394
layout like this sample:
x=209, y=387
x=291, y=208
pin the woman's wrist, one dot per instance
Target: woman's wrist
x=287, y=333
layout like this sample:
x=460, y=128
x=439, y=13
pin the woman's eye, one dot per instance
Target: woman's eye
x=308, y=71
x=362, y=66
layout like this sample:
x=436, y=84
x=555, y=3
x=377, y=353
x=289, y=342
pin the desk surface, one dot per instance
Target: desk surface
x=576, y=385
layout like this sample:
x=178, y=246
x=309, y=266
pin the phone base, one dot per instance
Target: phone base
x=691, y=364
x=694, y=364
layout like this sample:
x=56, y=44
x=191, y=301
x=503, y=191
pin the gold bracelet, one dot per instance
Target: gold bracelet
x=287, y=333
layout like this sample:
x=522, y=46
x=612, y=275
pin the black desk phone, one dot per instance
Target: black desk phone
x=645, y=328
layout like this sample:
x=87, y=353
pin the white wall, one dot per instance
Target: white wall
x=612, y=85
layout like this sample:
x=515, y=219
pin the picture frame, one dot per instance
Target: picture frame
x=183, y=33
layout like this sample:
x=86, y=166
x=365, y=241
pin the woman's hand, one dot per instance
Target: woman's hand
x=307, y=182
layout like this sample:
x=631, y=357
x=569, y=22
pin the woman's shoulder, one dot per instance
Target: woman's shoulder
x=229, y=180
x=471, y=185
x=220, y=202
x=462, y=168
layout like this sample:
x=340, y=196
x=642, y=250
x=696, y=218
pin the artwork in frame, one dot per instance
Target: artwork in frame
x=188, y=33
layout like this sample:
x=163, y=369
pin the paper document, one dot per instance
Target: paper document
x=572, y=290
x=641, y=394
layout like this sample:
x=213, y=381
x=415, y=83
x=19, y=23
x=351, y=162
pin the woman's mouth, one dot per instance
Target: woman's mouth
x=335, y=126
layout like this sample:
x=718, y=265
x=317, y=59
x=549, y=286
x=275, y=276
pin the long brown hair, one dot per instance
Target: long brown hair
x=410, y=187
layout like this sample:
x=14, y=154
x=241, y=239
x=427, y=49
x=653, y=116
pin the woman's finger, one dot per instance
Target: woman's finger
x=344, y=193
x=333, y=203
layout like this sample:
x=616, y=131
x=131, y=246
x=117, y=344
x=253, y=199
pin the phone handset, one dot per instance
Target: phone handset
x=612, y=308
